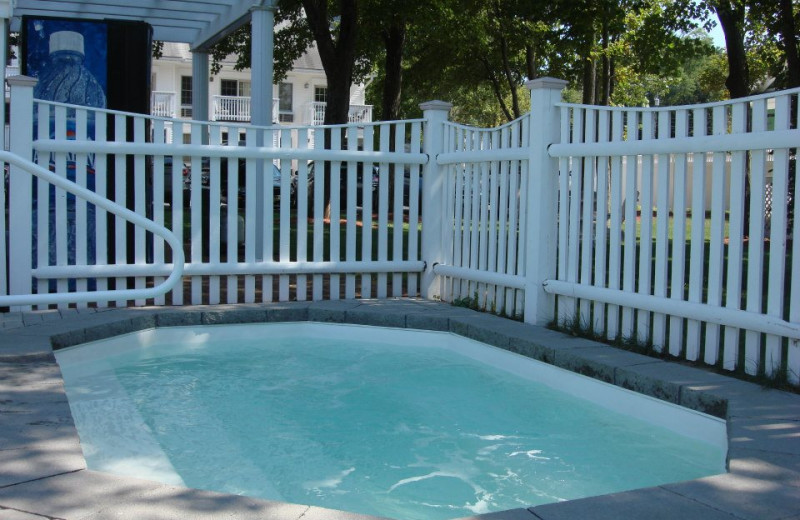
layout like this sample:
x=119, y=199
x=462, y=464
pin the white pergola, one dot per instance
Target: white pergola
x=200, y=23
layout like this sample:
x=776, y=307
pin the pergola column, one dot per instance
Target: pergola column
x=263, y=24
x=200, y=85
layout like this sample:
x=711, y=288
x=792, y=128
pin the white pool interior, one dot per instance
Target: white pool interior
x=392, y=422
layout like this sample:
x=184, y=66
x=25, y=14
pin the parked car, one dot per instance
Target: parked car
x=343, y=175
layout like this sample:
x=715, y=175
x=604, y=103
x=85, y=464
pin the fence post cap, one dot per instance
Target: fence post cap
x=435, y=104
x=22, y=81
x=546, y=82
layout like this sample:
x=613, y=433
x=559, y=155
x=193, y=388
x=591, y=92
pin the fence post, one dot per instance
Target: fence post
x=433, y=181
x=20, y=212
x=542, y=211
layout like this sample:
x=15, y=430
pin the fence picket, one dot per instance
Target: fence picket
x=285, y=222
x=82, y=221
x=139, y=204
x=733, y=297
x=383, y=211
x=413, y=208
x=601, y=228
x=615, y=240
x=319, y=211
x=350, y=227
x=697, y=245
x=366, y=216
x=397, y=206
x=158, y=203
x=645, y=275
x=121, y=198
x=576, y=195
x=251, y=137
x=662, y=230
x=588, y=202
x=678, y=268
x=777, y=238
x=755, y=245
x=301, y=196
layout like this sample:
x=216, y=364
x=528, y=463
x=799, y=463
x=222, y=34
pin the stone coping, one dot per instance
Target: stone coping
x=44, y=474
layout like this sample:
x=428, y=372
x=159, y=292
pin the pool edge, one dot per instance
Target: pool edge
x=763, y=455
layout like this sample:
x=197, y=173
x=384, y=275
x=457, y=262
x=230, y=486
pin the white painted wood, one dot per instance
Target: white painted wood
x=351, y=210
x=81, y=210
x=716, y=243
x=738, y=177
x=697, y=239
x=777, y=238
x=755, y=245
x=515, y=223
x=383, y=211
x=663, y=182
x=615, y=228
x=576, y=190
x=158, y=202
x=587, y=202
x=120, y=197
x=397, y=207
x=413, y=208
x=60, y=219
x=678, y=268
x=139, y=204
x=302, y=214
x=366, y=217
x=232, y=222
x=319, y=211
x=251, y=138
x=644, y=278
x=630, y=178
x=284, y=212
x=600, y=228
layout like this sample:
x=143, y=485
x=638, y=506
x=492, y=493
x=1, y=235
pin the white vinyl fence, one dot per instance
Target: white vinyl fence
x=595, y=216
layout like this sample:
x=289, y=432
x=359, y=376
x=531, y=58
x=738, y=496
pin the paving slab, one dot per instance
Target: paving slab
x=75, y=495
x=764, y=465
x=12, y=514
x=330, y=311
x=597, y=360
x=649, y=504
x=769, y=435
x=742, y=496
x=510, y=514
x=41, y=459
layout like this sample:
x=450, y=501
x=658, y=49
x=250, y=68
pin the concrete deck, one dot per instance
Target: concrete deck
x=43, y=473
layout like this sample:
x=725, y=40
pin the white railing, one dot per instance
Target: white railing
x=581, y=214
x=163, y=104
x=230, y=108
x=175, y=270
x=357, y=113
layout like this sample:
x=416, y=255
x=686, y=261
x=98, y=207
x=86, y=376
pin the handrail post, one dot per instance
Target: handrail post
x=541, y=213
x=433, y=181
x=20, y=223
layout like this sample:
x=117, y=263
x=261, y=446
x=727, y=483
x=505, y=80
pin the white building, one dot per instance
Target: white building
x=300, y=99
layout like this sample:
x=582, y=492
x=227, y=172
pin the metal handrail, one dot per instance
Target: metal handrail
x=111, y=207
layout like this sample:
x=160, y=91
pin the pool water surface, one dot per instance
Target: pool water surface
x=390, y=422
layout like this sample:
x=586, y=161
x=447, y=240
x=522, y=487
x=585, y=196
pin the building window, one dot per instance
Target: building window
x=320, y=94
x=234, y=88
x=229, y=87
x=285, y=110
x=186, y=96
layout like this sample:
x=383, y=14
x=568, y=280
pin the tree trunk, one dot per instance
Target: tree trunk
x=338, y=59
x=497, y=89
x=605, y=95
x=530, y=62
x=731, y=14
x=790, y=42
x=589, y=76
x=512, y=85
x=394, y=39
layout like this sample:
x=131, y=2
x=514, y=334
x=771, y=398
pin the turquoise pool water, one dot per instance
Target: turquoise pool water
x=397, y=423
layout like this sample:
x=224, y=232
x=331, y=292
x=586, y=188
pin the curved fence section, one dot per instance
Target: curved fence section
x=65, y=271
